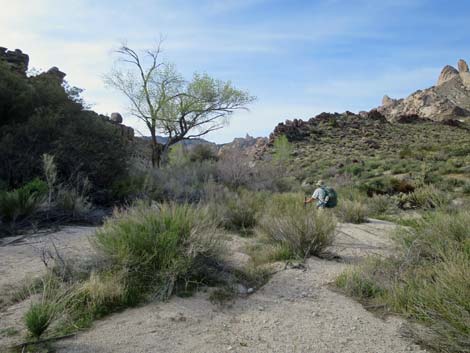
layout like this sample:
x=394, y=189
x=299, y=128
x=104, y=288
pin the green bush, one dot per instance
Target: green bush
x=38, y=318
x=427, y=281
x=466, y=188
x=427, y=197
x=301, y=231
x=352, y=211
x=201, y=153
x=380, y=205
x=36, y=187
x=158, y=248
x=21, y=203
x=241, y=210
x=38, y=115
x=358, y=285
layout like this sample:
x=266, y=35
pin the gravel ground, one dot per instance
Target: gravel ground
x=295, y=312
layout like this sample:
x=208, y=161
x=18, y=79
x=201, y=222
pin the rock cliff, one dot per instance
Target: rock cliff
x=449, y=98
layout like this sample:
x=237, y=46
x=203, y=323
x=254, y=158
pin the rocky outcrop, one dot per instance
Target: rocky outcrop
x=17, y=60
x=251, y=147
x=447, y=73
x=449, y=99
x=125, y=131
x=462, y=65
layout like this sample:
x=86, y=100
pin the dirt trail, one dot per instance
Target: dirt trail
x=295, y=312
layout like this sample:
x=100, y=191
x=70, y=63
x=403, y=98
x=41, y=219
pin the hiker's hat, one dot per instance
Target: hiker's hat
x=320, y=183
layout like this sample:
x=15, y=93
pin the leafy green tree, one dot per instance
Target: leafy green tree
x=170, y=105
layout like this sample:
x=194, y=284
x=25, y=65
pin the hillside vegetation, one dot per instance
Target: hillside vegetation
x=415, y=172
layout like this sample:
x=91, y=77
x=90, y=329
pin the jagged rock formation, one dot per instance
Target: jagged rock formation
x=449, y=99
x=126, y=131
x=299, y=130
x=447, y=73
x=252, y=147
x=17, y=60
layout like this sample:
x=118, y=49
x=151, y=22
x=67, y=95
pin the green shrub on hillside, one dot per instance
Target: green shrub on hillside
x=39, y=116
x=426, y=197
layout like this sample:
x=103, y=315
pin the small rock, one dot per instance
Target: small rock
x=250, y=290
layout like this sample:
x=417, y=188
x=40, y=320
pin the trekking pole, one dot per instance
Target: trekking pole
x=305, y=201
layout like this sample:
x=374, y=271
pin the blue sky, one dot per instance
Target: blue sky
x=297, y=57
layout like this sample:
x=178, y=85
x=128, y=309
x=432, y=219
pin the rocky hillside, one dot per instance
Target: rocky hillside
x=449, y=98
x=367, y=147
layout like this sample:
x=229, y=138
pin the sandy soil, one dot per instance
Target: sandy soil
x=295, y=312
x=21, y=261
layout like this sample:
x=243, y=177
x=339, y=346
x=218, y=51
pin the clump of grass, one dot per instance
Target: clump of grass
x=156, y=248
x=357, y=285
x=100, y=294
x=425, y=197
x=41, y=314
x=352, y=211
x=240, y=211
x=379, y=205
x=21, y=203
x=38, y=318
x=427, y=282
x=297, y=230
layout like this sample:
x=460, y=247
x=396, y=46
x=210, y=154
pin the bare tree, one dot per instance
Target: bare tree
x=168, y=104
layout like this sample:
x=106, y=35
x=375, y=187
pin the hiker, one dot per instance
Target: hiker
x=325, y=196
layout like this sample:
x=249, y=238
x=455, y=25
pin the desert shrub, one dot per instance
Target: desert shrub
x=98, y=295
x=354, y=169
x=265, y=251
x=21, y=203
x=41, y=313
x=73, y=201
x=386, y=186
x=427, y=197
x=36, y=187
x=352, y=211
x=426, y=281
x=133, y=187
x=183, y=182
x=38, y=318
x=301, y=231
x=233, y=169
x=381, y=204
x=158, y=248
x=358, y=285
x=241, y=210
x=201, y=153
x=466, y=188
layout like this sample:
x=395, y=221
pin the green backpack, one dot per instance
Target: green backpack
x=331, y=196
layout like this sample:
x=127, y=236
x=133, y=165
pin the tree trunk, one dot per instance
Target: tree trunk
x=156, y=151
